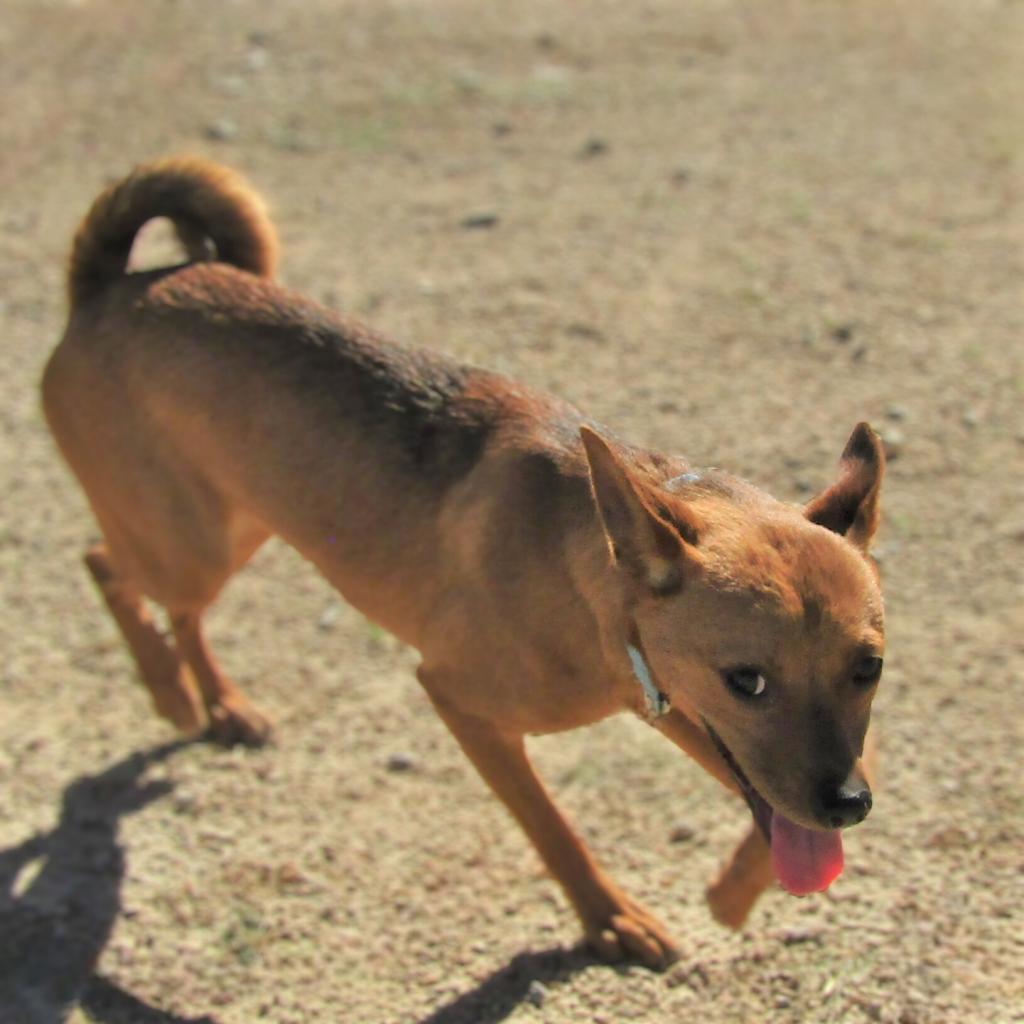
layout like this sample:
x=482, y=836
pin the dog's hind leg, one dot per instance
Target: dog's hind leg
x=184, y=569
x=613, y=924
x=181, y=560
x=160, y=665
x=233, y=719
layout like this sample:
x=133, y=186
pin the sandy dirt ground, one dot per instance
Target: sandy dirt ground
x=728, y=229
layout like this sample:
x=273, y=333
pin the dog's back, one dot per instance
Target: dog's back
x=287, y=402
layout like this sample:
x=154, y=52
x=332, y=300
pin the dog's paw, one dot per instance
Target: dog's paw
x=729, y=905
x=238, y=722
x=177, y=699
x=631, y=933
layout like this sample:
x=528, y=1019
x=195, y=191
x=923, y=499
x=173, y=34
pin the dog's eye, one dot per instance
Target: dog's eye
x=745, y=681
x=868, y=670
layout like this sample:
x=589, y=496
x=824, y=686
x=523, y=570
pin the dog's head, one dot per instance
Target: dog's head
x=764, y=622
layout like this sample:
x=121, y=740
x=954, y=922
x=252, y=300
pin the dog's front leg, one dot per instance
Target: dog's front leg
x=749, y=872
x=613, y=924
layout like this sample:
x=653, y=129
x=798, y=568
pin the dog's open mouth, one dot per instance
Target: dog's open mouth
x=805, y=860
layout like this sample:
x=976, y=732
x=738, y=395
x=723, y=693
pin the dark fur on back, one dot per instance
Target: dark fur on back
x=434, y=414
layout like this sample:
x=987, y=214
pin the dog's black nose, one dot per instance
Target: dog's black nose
x=845, y=804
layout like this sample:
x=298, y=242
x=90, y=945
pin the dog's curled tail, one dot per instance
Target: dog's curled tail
x=207, y=203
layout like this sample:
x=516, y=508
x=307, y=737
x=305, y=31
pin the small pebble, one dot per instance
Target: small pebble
x=682, y=834
x=896, y=412
x=593, y=147
x=482, y=219
x=401, y=761
x=221, y=130
x=552, y=74
x=692, y=975
x=872, y=1009
x=290, y=874
x=233, y=85
x=892, y=441
x=256, y=59
x=842, y=333
x=949, y=838
x=329, y=617
x=579, y=329
x=469, y=80
x=537, y=993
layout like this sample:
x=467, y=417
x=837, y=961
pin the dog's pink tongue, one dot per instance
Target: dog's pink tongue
x=805, y=861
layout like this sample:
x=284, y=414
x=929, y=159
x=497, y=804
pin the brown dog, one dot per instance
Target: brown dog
x=548, y=575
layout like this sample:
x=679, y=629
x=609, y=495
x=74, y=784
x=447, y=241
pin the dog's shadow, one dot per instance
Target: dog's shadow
x=60, y=897
x=498, y=995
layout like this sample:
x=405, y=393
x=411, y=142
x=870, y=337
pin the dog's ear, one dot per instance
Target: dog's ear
x=850, y=506
x=642, y=541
